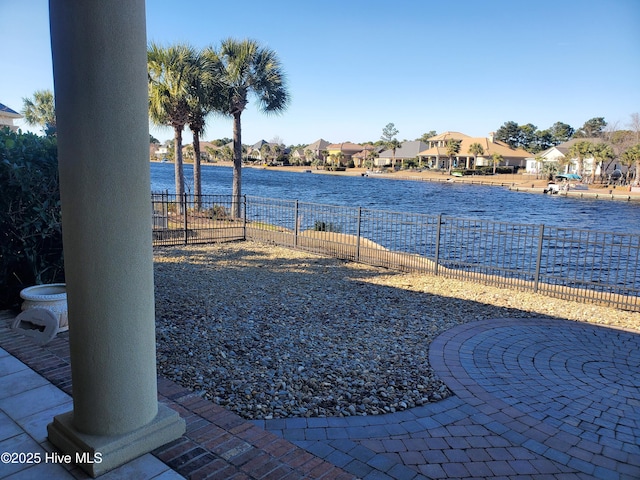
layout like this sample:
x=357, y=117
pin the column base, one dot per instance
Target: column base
x=97, y=454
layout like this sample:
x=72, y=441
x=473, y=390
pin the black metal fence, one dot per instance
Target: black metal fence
x=582, y=265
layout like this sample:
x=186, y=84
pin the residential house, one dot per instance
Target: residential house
x=317, y=148
x=264, y=151
x=7, y=116
x=364, y=154
x=558, y=155
x=406, y=151
x=347, y=150
x=297, y=156
x=209, y=152
x=435, y=156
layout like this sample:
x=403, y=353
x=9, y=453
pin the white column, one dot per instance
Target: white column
x=100, y=75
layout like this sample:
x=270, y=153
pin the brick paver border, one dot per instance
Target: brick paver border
x=218, y=444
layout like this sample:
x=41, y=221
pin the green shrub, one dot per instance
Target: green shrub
x=320, y=226
x=217, y=212
x=30, y=218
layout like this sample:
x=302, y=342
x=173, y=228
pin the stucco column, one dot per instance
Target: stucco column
x=100, y=75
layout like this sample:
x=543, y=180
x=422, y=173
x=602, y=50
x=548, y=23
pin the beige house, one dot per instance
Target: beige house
x=365, y=154
x=7, y=116
x=436, y=155
x=317, y=148
x=347, y=149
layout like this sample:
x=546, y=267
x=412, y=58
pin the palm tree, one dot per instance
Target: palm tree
x=276, y=150
x=212, y=152
x=226, y=153
x=308, y=155
x=41, y=111
x=453, y=148
x=630, y=158
x=371, y=156
x=550, y=169
x=496, y=159
x=601, y=152
x=205, y=96
x=249, y=69
x=475, y=149
x=580, y=151
x=324, y=154
x=393, y=145
x=171, y=72
x=265, y=151
x=336, y=160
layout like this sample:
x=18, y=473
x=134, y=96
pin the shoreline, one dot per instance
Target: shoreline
x=518, y=182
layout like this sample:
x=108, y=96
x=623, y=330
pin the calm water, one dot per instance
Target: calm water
x=453, y=199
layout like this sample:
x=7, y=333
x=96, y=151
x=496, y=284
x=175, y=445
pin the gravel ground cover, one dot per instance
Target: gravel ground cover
x=272, y=332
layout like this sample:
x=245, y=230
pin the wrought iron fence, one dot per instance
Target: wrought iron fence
x=583, y=265
x=190, y=219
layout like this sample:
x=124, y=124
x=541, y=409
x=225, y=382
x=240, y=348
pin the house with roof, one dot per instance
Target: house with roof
x=266, y=151
x=406, y=151
x=365, y=154
x=344, y=150
x=7, y=116
x=313, y=151
x=435, y=156
x=317, y=148
x=558, y=155
x=297, y=156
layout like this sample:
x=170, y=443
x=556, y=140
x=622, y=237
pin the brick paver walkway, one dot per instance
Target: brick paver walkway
x=533, y=399
x=218, y=444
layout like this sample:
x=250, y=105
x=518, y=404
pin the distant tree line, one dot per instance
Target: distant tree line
x=533, y=140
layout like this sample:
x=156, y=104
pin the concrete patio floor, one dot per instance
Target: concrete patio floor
x=533, y=399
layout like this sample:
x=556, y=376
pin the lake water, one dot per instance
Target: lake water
x=452, y=199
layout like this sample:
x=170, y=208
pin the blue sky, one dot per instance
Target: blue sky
x=355, y=65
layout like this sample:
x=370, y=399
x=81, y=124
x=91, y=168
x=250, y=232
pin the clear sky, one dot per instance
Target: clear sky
x=354, y=66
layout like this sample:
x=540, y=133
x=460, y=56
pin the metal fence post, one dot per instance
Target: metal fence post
x=186, y=222
x=244, y=218
x=538, y=259
x=295, y=224
x=437, y=255
x=358, y=234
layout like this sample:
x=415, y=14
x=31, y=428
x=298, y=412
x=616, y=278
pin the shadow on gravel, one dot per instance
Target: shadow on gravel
x=268, y=333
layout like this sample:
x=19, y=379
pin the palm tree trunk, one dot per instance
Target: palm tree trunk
x=179, y=171
x=237, y=165
x=197, y=181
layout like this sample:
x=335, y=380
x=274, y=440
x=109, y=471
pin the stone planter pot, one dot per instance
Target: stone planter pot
x=52, y=297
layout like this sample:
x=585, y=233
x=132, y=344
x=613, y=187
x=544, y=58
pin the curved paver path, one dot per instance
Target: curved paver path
x=533, y=398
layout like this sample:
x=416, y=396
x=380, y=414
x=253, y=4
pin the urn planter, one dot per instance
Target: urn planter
x=44, y=312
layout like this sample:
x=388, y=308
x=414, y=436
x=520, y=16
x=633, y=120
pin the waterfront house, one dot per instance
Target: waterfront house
x=346, y=150
x=297, y=157
x=435, y=156
x=406, y=151
x=558, y=155
x=264, y=151
x=365, y=154
x=7, y=116
x=317, y=148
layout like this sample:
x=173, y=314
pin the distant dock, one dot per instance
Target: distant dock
x=604, y=194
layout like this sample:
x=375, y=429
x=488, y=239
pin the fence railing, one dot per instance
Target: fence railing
x=582, y=265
